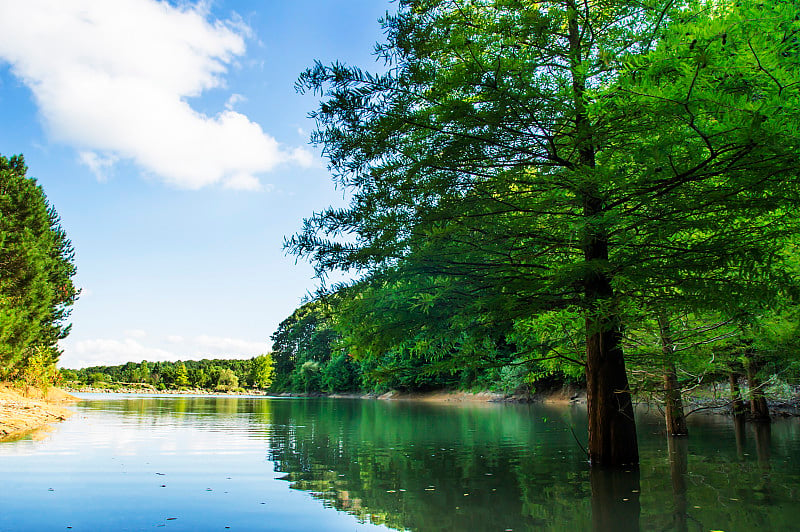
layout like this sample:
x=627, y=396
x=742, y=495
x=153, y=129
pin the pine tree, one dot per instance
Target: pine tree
x=37, y=265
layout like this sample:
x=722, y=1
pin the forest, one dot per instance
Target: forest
x=221, y=375
x=600, y=191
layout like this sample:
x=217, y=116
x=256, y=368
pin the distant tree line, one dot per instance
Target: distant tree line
x=207, y=374
x=37, y=266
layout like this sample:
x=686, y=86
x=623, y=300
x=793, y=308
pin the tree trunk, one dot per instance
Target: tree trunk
x=673, y=402
x=612, y=430
x=736, y=395
x=759, y=410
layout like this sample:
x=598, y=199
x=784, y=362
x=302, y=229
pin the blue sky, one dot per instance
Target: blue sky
x=172, y=143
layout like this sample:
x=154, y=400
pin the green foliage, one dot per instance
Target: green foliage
x=36, y=271
x=340, y=374
x=227, y=380
x=39, y=369
x=181, y=375
x=303, y=340
x=262, y=371
x=529, y=176
x=221, y=374
x=96, y=377
x=308, y=377
x=68, y=375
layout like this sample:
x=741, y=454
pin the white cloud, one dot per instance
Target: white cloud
x=243, y=182
x=132, y=348
x=219, y=345
x=99, y=166
x=103, y=351
x=113, y=78
x=216, y=344
x=233, y=100
x=302, y=156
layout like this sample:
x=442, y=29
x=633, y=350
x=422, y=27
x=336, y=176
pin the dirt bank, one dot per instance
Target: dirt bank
x=26, y=409
x=565, y=395
x=150, y=390
x=443, y=397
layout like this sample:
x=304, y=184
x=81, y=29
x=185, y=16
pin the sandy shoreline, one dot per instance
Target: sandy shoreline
x=27, y=409
x=564, y=395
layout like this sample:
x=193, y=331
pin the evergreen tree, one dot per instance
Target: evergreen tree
x=36, y=269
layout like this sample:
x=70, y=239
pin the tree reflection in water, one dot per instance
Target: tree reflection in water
x=678, y=447
x=615, y=499
x=425, y=467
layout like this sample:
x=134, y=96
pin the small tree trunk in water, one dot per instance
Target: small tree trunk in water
x=759, y=410
x=736, y=395
x=673, y=402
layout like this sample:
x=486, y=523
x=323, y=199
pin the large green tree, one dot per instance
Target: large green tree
x=262, y=371
x=560, y=154
x=302, y=342
x=36, y=270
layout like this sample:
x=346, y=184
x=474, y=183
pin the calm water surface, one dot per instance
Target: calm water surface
x=216, y=463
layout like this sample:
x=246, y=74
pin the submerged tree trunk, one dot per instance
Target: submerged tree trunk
x=737, y=403
x=612, y=430
x=673, y=402
x=678, y=449
x=759, y=410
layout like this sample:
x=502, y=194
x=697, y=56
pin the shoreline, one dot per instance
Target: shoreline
x=563, y=396
x=560, y=396
x=27, y=410
x=438, y=396
x=153, y=391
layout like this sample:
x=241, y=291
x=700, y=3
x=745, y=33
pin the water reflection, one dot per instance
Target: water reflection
x=739, y=425
x=228, y=461
x=763, y=430
x=678, y=448
x=426, y=467
x=615, y=499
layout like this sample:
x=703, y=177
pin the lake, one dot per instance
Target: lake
x=126, y=462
